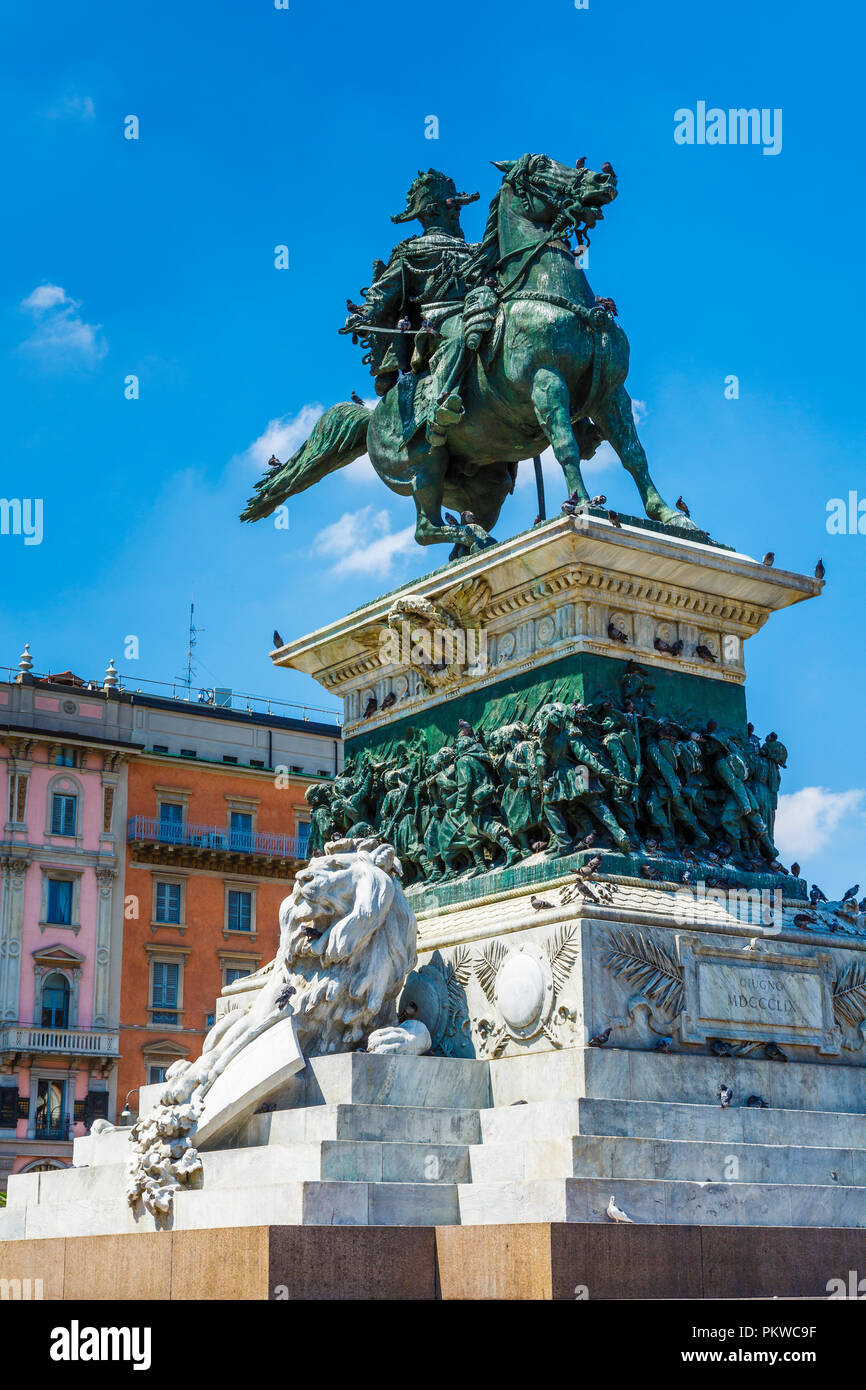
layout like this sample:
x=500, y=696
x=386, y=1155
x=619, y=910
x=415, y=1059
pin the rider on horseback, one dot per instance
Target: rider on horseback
x=424, y=285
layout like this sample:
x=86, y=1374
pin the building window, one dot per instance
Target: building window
x=55, y=1002
x=156, y=1075
x=240, y=910
x=164, y=992
x=303, y=838
x=229, y=758
x=257, y=762
x=59, y=907
x=50, y=1119
x=232, y=975
x=295, y=768
x=17, y=797
x=188, y=753
x=63, y=809
x=168, y=903
x=323, y=772
x=66, y=758
x=160, y=748
x=209, y=1020
x=171, y=821
x=240, y=830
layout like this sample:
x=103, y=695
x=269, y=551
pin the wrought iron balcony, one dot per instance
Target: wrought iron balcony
x=149, y=831
x=70, y=1041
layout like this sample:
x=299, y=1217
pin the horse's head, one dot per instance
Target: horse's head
x=547, y=190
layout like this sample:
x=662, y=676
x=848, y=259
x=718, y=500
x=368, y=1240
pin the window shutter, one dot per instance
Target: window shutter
x=8, y=1107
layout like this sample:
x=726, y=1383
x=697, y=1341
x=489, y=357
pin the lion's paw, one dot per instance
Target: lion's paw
x=411, y=1039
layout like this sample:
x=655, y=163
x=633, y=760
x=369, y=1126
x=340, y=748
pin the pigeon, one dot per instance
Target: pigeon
x=404, y=325
x=851, y=893
x=602, y=302
x=588, y=840
x=588, y=869
x=613, y=1213
x=862, y=905
x=518, y=1102
x=775, y=1053
x=284, y=996
x=703, y=651
x=720, y=1048
x=616, y=634
x=682, y=507
x=816, y=896
x=540, y=904
x=370, y=708
x=469, y=518
x=648, y=871
x=753, y=945
x=819, y=570
x=769, y=558
x=676, y=647
x=274, y=462
x=686, y=876
x=651, y=844
x=757, y=1103
x=598, y=501
x=354, y=308
x=664, y=1044
x=803, y=919
x=580, y=163
x=600, y=1038
x=451, y=519
x=356, y=398
x=725, y=1095
x=795, y=869
x=538, y=846
x=278, y=641
x=661, y=645
x=613, y=518
x=389, y=700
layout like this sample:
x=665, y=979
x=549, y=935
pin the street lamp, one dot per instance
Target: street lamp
x=126, y=1113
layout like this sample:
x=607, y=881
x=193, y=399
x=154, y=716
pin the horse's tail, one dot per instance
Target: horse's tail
x=339, y=436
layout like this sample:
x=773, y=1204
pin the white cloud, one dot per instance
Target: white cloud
x=282, y=437
x=640, y=411
x=363, y=542
x=73, y=107
x=807, y=820
x=60, y=336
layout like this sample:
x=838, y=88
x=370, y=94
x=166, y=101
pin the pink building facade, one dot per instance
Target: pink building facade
x=63, y=784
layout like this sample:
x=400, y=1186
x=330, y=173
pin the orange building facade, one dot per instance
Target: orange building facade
x=216, y=830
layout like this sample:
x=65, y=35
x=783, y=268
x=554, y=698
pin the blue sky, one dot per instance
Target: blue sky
x=260, y=127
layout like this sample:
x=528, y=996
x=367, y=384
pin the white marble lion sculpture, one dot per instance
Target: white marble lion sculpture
x=348, y=939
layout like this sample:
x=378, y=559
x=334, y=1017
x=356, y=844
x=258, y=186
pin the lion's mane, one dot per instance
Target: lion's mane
x=345, y=978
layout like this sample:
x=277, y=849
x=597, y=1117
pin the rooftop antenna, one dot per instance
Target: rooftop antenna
x=190, y=650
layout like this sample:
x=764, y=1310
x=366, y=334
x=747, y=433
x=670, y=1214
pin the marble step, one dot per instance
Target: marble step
x=595, y=1156
x=390, y=1123
x=614, y=1073
x=275, y=1204
x=337, y=1160
x=560, y=1119
x=360, y=1078
x=663, y=1201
